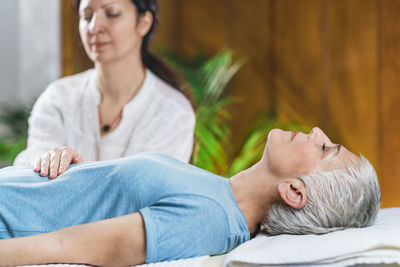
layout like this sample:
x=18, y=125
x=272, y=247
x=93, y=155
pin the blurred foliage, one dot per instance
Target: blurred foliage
x=10, y=150
x=210, y=81
x=14, y=120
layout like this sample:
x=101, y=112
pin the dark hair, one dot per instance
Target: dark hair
x=155, y=63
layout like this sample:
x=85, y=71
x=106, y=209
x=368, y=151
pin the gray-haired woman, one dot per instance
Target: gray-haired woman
x=151, y=207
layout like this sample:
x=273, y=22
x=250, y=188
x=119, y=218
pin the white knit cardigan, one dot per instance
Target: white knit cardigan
x=158, y=118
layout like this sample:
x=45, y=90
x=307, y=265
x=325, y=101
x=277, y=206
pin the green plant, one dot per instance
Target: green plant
x=209, y=81
x=14, y=120
x=8, y=150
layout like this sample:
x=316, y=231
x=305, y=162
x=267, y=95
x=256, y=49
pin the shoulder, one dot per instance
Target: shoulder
x=194, y=225
x=171, y=98
x=155, y=156
x=72, y=82
x=67, y=90
x=143, y=158
x=151, y=161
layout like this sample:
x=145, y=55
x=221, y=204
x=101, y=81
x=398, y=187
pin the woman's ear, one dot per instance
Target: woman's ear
x=145, y=23
x=293, y=193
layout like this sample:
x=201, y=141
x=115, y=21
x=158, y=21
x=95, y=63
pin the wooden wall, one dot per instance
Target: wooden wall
x=331, y=63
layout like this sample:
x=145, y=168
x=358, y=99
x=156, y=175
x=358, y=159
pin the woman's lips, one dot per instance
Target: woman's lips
x=98, y=45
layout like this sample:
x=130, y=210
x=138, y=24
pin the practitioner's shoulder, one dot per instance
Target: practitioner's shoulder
x=68, y=90
x=170, y=101
x=76, y=79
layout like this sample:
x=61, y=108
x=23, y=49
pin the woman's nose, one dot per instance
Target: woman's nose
x=96, y=24
x=317, y=134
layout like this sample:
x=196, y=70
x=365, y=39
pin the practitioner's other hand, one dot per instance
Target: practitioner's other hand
x=56, y=161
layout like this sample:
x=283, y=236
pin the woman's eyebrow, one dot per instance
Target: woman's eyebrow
x=106, y=4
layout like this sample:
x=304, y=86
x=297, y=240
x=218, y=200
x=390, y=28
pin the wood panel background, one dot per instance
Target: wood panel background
x=331, y=63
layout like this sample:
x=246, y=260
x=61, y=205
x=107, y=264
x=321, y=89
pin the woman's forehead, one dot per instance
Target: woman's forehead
x=102, y=2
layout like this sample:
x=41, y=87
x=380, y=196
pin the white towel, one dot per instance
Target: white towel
x=202, y=261
x=177, y=263
x=379, y=243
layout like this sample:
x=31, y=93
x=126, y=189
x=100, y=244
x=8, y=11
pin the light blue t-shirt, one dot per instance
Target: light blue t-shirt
x=187, y=211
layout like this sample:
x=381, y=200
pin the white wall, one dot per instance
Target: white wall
x=29, y=48
x=8, y=50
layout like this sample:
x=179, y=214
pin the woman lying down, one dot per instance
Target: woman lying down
x=151, y=207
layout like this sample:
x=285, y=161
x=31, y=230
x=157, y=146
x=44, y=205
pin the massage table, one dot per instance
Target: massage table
x=376, y=245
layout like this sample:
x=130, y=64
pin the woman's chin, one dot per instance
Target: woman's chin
x=101, y=57
x=274, y=133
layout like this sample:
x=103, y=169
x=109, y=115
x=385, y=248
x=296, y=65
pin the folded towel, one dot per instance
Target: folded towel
x=379, y=243
x=177, y=263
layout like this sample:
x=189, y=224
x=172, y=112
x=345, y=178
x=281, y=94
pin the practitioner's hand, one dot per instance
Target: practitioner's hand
x=57, y=161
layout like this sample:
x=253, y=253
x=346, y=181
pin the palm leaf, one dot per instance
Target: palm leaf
x=209, y=80
x=216, y=74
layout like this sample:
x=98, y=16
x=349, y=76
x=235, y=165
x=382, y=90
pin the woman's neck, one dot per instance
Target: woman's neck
x=120, y=80
x=255, y=191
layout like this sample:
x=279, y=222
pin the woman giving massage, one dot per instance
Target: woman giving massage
x=151, y=207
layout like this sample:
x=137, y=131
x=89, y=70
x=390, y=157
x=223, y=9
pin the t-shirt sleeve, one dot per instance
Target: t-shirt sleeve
x=184, y=226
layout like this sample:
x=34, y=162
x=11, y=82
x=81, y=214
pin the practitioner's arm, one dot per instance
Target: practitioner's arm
x=119, y=241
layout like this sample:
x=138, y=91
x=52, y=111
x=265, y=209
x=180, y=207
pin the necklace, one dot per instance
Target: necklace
x=107, y=127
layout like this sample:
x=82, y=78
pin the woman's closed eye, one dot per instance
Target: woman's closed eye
x=112, y=13
x=334, y=149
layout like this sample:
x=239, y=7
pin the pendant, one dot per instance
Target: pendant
x=106, y=128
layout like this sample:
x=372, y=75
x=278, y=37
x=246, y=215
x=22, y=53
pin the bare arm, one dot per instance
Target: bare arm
x=119, y=241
